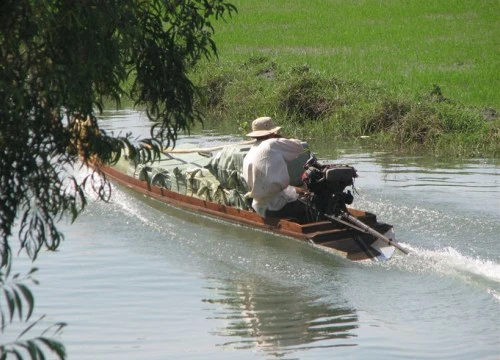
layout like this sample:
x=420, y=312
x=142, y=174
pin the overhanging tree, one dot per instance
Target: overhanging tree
x=59, y=61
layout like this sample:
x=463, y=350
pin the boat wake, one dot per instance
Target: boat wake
x=134, y=211
x=444, y=261
x=121, y=203
x=435, y=227
x=472, y=259
x=448, y=262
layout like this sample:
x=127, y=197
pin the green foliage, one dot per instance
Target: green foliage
x=305, y=99
x=214, y=91
x=407, y=122
x=388, y=113
x=17, y=301
x=311, y=104
x=59, y=61
x=403, y=45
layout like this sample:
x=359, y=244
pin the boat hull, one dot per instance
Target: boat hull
x=325, y=235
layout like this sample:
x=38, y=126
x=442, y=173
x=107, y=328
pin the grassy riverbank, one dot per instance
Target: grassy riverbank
x=413, y=75
x=310, y=104
x=404, y=45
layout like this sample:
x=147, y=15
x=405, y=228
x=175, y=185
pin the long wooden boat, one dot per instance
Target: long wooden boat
x=328, y=236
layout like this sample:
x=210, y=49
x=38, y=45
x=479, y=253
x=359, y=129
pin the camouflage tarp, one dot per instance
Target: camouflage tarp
x=217, y=179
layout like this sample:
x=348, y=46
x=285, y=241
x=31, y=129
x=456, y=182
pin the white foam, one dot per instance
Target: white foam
x=119, y=200
x=124, y=204
x=449, y=262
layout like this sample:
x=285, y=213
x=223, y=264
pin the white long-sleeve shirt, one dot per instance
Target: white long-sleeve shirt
x=266, y=173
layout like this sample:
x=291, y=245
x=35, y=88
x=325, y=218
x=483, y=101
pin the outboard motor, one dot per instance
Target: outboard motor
x=328, y=198
x=327, y=185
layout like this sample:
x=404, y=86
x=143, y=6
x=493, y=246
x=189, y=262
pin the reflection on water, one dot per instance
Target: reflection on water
x=279, y=320
x=138, y=280
x=269, y=303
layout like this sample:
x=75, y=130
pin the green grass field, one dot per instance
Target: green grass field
x=403, y=46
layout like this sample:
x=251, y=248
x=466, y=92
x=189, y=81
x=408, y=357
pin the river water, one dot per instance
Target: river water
x=136, y=279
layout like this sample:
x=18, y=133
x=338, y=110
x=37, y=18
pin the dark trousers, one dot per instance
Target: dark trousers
x=293, y=210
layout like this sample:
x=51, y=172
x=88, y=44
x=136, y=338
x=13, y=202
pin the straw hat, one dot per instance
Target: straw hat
x=263, y=126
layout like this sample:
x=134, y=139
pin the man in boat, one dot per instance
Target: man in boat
x=266, y=173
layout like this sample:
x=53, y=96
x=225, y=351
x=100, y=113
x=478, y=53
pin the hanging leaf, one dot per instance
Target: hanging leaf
x=28, y=296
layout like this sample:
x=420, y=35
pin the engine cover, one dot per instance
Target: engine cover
x=338, y=177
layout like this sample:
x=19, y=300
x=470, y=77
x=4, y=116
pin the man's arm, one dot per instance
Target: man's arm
x=290, y=148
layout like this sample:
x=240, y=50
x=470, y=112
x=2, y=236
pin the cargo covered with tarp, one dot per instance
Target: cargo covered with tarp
x=210, y=182
x=212, y=176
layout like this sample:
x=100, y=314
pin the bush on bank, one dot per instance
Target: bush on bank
x=309, y=104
